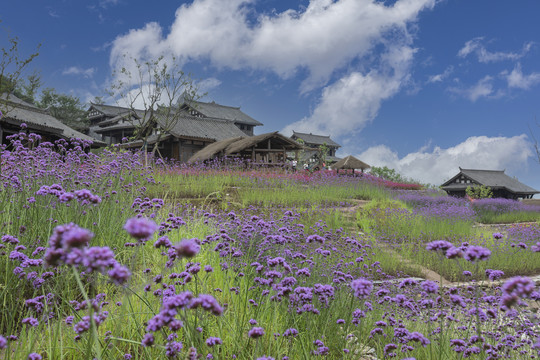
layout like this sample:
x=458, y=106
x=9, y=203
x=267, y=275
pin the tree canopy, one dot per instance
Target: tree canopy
x=66, y=108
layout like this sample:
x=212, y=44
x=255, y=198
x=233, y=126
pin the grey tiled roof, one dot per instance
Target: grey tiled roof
x=495, y=179
x=315, y=139
x=23, y=112
x=204, y=128
x=217, y=111
x=115, y=119
x=113, y=111
x=114, y=127
x=307, y=154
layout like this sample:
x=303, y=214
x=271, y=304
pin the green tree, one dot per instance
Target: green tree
x=12, y=66
x=479, y=192
x=27, y=90
x=156, y=87
x=387, y=174
x=98, y=100
x=300, y=158
x=66, y=108
x=323, y=152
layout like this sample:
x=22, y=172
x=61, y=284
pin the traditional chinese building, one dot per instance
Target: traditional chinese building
x=15, y=112
x=193, y=127
x=502, y=185
x=313, y=144
x=113, y=123
x=213, y=110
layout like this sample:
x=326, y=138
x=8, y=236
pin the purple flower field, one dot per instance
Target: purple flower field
x=98, y=264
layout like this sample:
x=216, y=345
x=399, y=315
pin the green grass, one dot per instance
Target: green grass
x=508, y=217
x=261, y=188
x=315, y=207
x=395, y=227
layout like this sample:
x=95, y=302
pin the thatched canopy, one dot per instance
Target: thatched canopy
x=213, y=149
x=350, y=162
x=268, y=148
x=249, y=142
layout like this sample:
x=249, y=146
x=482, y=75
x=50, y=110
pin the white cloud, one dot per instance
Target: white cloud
x=207, y=85
x=106, y=3
x=103, y=47
x=442, y=76
x=438, y=165
x=485, y=56
x=516, y=79
x=353, y=101
x=53, y=13
x=483, y=88
x=322, y=38
x=75, y=70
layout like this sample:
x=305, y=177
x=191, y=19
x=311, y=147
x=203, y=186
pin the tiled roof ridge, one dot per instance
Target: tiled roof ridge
x=25, y=105
x=296, y=132
x=213, y=103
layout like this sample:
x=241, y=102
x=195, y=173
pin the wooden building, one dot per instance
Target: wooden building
x=187, y=136
x=350, y=163
x=113, y=123
x=265, y=149
x=196, y=125
x=15, y=112
x=502, y=185
x=212, y=110
x=314, y=142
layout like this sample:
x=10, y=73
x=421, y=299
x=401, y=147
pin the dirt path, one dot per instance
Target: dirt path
x=427, y=274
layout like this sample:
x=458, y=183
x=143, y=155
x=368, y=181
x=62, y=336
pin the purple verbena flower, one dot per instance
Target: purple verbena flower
x=361, y=287
x=437, y=245
x=212, y=341
x=148, y=340
x=476, y=253
x=187, y=248
x=140, y=228
x=430, y=287
x=256, y=332
x=515, y=288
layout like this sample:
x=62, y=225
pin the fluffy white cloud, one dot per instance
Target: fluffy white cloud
x=323, y=37
x=207, y=85
x=353, y=101
x=485, y=56
x=438, y=165
x=516, y=78
x=483, y=88
x=442, y=76
x=75, y=70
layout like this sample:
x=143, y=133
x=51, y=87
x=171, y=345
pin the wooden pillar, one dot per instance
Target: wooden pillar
x=253, y=154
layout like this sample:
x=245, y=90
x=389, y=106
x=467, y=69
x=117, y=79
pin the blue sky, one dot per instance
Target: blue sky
x=422, y=86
